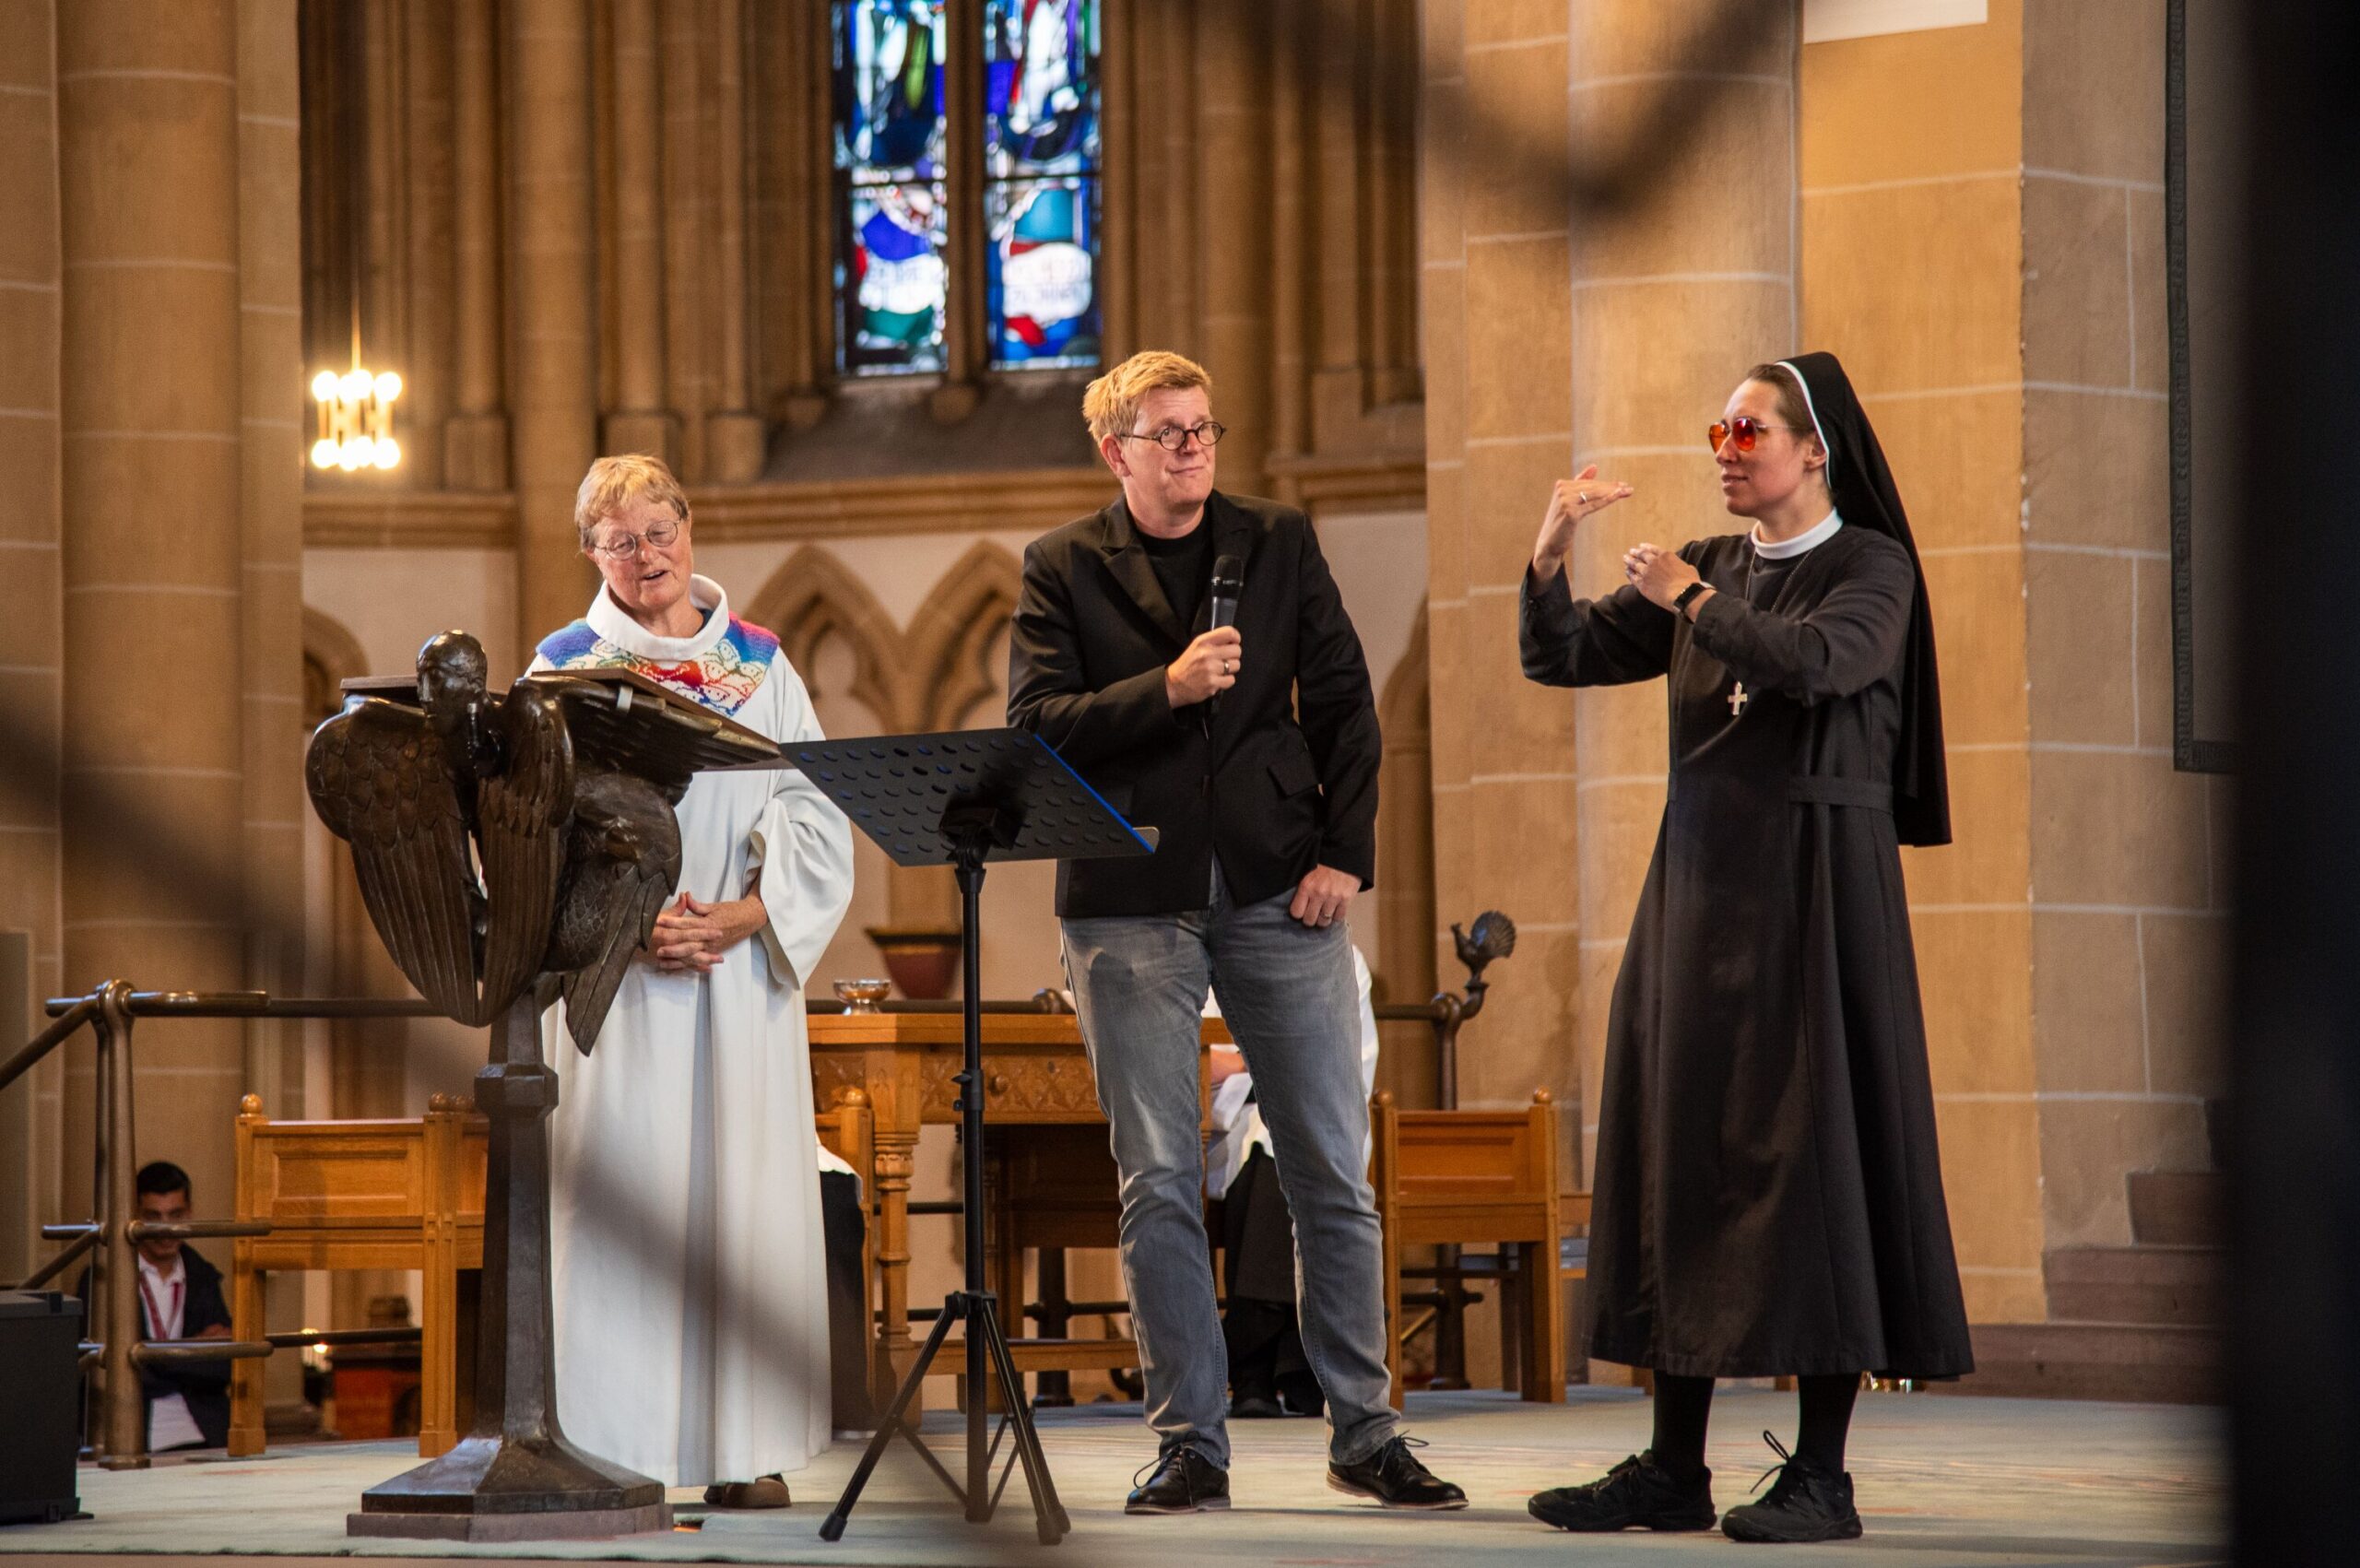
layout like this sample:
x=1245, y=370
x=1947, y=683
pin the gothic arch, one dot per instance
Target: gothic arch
x=331, y=656
x=814, y=595
x=952, y=636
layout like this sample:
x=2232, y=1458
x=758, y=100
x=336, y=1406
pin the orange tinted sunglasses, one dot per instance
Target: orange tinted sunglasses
x=1743, y=431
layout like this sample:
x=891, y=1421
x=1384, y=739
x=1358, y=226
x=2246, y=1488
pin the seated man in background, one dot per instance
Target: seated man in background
x=1269, y=1374
x=179, y=1298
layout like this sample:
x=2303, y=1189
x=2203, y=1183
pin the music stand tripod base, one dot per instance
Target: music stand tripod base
x=962, y=799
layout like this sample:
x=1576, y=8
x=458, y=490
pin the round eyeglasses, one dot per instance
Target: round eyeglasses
x=626, y=547
x=1174, y=437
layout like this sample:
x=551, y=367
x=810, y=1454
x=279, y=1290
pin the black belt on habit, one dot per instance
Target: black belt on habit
x=1819, y=789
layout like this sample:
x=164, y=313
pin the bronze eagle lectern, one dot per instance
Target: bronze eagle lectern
x=512, y=850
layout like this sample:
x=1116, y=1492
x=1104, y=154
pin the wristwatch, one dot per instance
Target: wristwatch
x=1680, y=603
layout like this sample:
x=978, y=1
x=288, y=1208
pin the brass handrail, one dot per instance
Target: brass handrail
x=71, y=1018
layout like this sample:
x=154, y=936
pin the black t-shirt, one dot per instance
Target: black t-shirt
x=1184, y=567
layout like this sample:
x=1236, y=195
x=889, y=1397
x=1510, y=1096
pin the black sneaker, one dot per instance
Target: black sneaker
x=1393, y=1475
x=1182, y=1481
x=1637, y=1493
x=1806, y=1503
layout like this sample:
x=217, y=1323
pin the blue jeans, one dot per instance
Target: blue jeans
x=1290, y=997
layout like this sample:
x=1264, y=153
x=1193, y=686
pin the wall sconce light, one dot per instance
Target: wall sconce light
x=356, y=420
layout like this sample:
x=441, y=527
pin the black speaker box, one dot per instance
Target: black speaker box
x=40, y=1338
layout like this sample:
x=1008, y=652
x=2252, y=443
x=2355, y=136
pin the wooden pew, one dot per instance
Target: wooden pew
x=398, y=1193
x=1462, y=1176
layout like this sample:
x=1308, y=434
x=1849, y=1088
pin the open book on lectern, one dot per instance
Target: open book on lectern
x=899, y=788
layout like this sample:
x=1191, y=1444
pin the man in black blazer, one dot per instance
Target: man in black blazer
x=1252, y=748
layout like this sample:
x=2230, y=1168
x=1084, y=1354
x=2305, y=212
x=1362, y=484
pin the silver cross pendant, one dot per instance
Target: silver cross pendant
x=1738, y=698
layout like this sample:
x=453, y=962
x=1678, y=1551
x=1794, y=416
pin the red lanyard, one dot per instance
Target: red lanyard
x=157, y=1328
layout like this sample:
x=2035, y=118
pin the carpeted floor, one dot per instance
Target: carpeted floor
x=1941, y=1481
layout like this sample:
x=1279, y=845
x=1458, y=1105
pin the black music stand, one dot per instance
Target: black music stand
x=961, y=799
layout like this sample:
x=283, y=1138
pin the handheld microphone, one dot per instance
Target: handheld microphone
x=1229, y=582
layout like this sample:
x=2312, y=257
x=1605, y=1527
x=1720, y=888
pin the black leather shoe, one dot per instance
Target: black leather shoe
x=1393, y=1475
x=1637, y=1493
x=1183, y=1482
x=1806, y=1503
x=1255, y=1408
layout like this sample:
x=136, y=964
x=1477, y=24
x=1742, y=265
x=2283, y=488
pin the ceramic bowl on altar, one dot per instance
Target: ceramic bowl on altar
x=862, y=996
x=923, y=960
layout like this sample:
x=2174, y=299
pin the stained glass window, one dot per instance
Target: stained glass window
x=1041, y=188
x=1039, y=204
x=891, y=283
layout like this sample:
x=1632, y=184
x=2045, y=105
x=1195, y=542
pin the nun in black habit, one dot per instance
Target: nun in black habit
x=1768, y=1197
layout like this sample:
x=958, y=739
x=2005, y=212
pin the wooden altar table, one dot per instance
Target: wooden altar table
x=1036, y=1074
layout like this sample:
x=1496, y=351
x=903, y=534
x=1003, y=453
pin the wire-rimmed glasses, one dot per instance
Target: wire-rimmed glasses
x=625, y=547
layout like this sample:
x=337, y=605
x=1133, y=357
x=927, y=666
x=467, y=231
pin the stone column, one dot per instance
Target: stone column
x=688, y=231
x=1558, y=333
x=795, y=298
x=553, y=324
x=734, y=433
x=1231, y=149
x=1674, y=296
x=271, y=534
x=1498, y=429
x=640, y=422
x=475, y=448
x=32, y=632
x=154, y=773
x=424, y=411
x=1118, y=282
x=271, y=387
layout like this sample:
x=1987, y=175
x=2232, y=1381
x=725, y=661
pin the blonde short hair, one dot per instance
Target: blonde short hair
x=614, y=483
x=1111, y=401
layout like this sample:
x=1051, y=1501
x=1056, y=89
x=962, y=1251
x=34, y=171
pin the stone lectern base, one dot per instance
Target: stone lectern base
x=582, y=1525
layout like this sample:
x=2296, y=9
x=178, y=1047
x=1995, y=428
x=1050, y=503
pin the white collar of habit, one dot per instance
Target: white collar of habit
x=1783, y=549
x=612, y=623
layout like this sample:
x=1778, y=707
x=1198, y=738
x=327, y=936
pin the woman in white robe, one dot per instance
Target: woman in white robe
x=690, y=1288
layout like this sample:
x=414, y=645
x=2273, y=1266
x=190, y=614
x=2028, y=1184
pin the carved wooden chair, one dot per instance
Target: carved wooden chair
x=1473, y=1176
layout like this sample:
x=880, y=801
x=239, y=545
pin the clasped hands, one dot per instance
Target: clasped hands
x=690, y=936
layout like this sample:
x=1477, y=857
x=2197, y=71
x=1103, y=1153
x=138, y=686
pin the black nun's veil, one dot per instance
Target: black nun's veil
x=1865, y=498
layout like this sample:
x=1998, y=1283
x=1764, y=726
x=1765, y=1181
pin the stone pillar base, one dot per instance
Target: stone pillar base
x=475, y=452
x=656, y=434
x=735, y=448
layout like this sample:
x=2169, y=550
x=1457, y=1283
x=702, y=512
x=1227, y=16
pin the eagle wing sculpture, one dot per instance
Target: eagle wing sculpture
x=379, y=778
x=624, y=853
x=520, y=816
x=566, y=785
